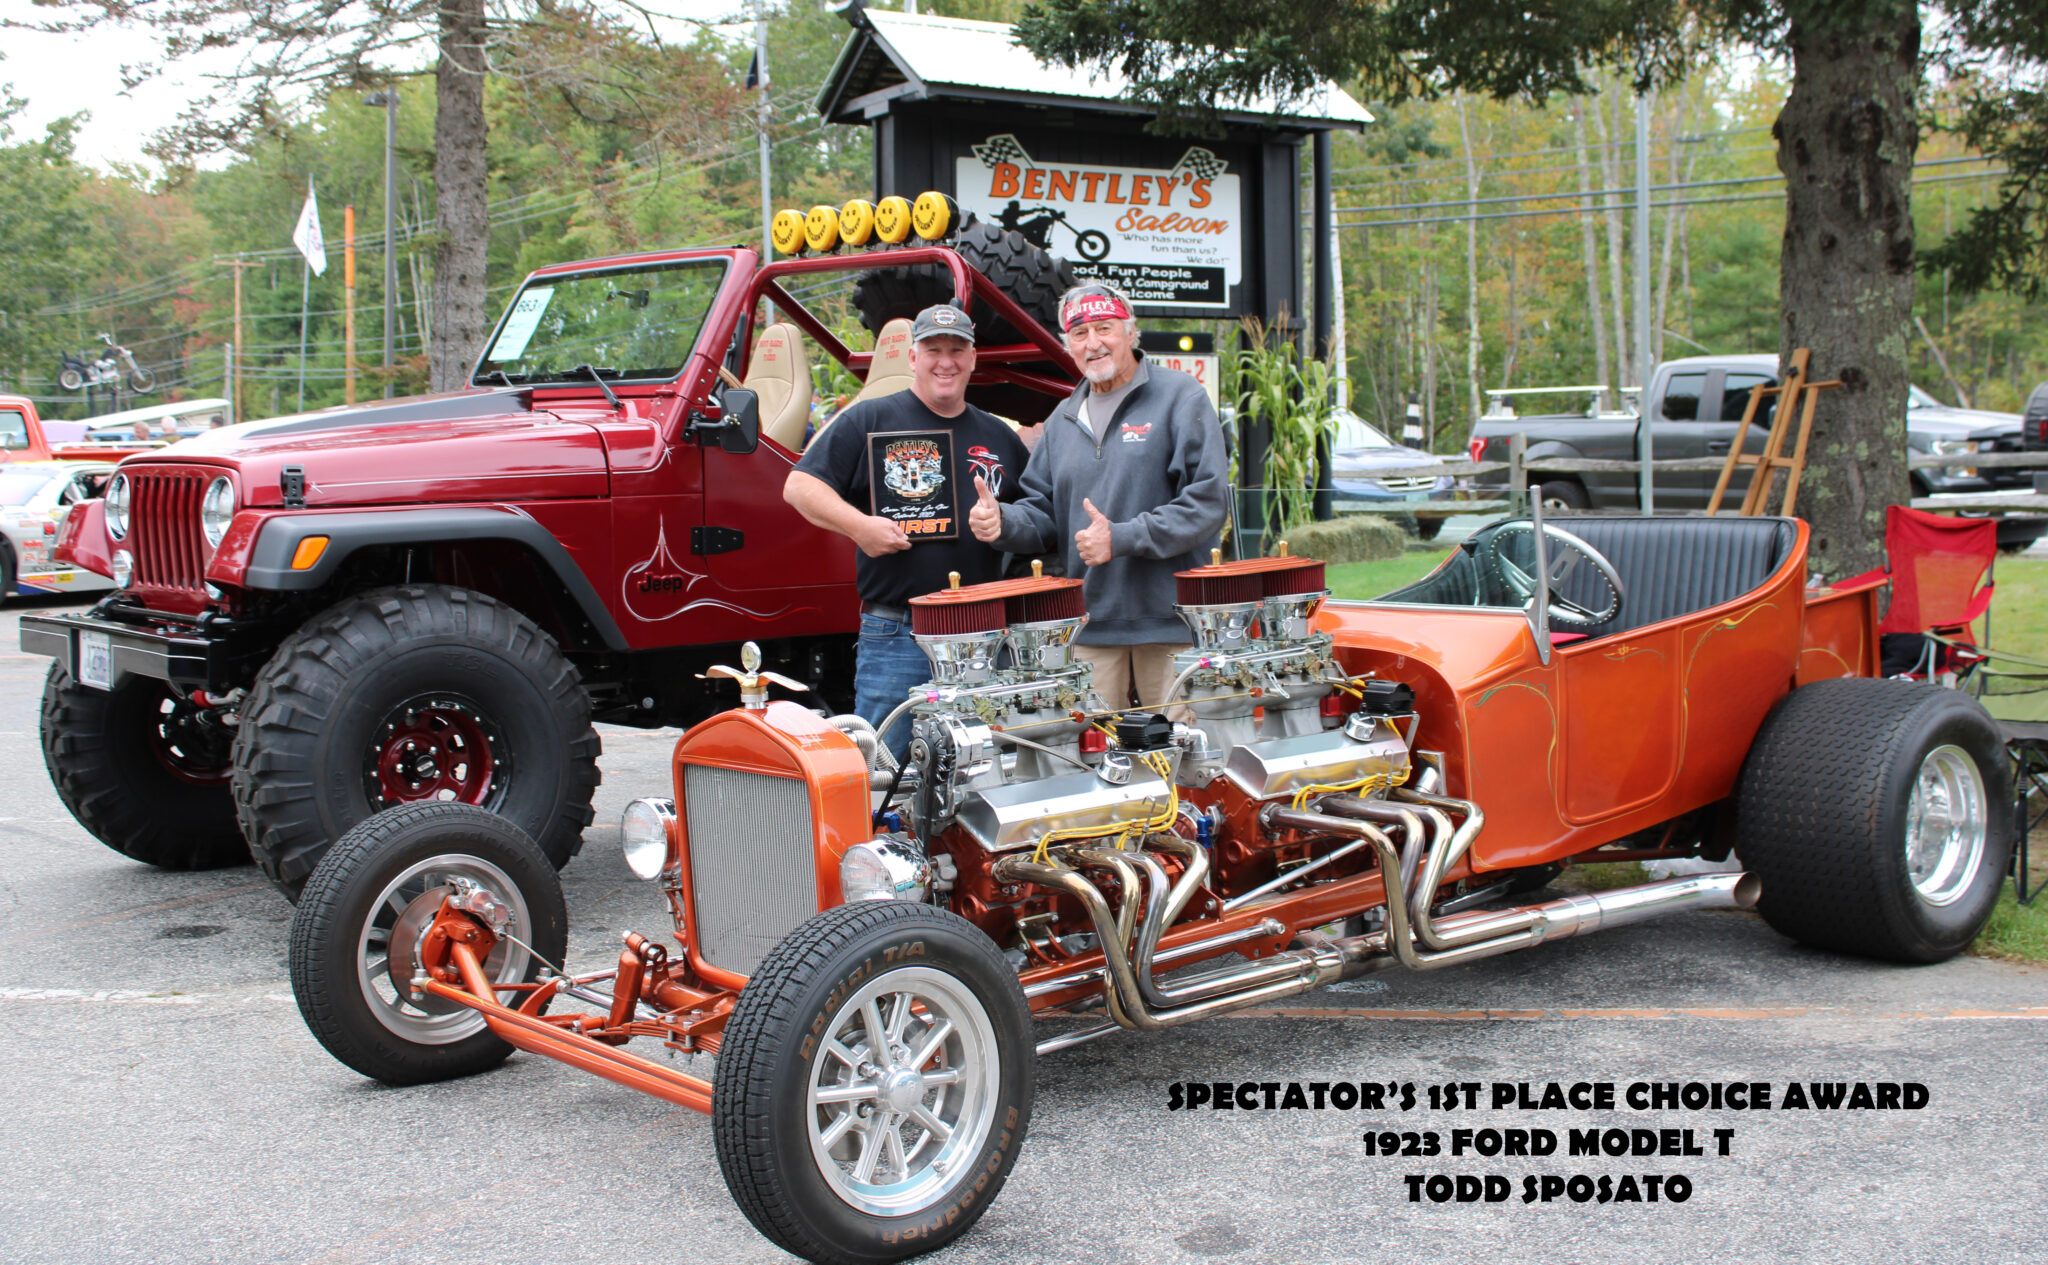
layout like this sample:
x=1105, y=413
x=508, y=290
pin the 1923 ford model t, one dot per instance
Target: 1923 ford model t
x=1364, y=785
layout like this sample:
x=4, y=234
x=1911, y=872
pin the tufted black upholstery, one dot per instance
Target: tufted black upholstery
x=1668, y=566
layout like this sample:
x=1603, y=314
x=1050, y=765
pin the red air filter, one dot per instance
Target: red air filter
x=1047, y=600
x=1202, y=588
x=1306, y=576
x=953, y=612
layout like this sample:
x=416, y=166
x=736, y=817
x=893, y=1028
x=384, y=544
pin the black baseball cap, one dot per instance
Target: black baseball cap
x=942, y=318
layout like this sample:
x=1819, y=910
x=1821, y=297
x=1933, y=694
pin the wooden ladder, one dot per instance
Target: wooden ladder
x=1795, y=394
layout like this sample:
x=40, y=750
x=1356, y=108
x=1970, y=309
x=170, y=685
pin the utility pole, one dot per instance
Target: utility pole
x=763, y=118
x=235, y=348
x=348, y=303
x=1642, y=300
x=388, y=98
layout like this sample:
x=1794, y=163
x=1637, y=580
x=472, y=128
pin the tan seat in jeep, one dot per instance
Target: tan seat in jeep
x=888, y=373
x=780, y=374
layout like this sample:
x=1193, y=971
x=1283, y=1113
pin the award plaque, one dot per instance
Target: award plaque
x=911, y=481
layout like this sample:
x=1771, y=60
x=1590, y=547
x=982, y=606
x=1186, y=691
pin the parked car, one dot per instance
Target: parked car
x=1412, y=766
x=1696, y=404
x=1359, y=449
x=34, y=498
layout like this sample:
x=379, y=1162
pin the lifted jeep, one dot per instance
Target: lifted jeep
x=431, y=599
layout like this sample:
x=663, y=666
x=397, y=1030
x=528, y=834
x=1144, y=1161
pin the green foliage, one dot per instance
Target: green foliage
x=1291, y=394
x=50, y=244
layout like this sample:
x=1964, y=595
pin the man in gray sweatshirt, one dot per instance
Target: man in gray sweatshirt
x=1131, y=475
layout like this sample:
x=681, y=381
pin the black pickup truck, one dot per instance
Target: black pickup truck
x=1696, y=405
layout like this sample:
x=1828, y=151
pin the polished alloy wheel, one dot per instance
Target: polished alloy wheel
x=903, y=1091
x=387, y=949
x=1947, y=824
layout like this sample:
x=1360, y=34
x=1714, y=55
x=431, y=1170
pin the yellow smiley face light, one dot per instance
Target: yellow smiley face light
x=786, y=231
x=857, y=222
x=892, y=219
x=934, y=216
x=821, y=228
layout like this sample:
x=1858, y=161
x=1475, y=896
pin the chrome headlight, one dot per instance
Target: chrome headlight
x=1951, y=447
x=124, y=568
x=644, y=834
x=889, y=867
x=217, y=510
x=118, y=493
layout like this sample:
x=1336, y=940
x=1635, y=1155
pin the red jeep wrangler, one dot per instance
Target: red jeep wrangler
x=324, y=615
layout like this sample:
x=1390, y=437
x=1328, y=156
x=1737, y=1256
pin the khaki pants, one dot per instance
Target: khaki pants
x=1150, y=667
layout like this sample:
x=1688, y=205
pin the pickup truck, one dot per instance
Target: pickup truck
x=1696, y=405
x=22, y=438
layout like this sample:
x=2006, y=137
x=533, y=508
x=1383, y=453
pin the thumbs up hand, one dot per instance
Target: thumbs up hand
x=1094, y=538
x=985, y=520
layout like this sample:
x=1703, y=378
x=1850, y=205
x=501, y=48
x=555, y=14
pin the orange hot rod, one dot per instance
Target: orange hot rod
x=1341, y=787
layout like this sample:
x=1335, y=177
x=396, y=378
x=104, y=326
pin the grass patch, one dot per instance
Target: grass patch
x=1602, y=876
x=1362, y=580
x=2015, y=934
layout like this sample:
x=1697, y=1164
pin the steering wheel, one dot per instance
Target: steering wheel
x=1566, y=554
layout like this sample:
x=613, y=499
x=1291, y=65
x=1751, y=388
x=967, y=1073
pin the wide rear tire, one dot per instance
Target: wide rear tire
x=374, y=891
x=1025, y=272
x=808, y=1093
x=142, y=769
x=1878, y=815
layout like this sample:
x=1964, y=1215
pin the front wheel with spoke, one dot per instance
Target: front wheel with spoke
x=874, y=1084
x=357, y=933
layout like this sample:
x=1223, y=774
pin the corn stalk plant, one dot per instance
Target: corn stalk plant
x=1273, y=382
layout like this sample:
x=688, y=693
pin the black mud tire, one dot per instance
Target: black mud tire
x=759, y=1094
x=1020, y=269
x=314, y=714
x=345, y=892
x=1823, y=812
x=98, y=747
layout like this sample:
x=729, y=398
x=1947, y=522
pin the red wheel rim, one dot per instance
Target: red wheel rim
x=191, y=745
x=435, y=747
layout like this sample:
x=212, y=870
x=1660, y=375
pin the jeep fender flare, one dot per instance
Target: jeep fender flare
x=269, y=565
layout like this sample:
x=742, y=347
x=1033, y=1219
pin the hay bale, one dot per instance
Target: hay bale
x=1350, y=538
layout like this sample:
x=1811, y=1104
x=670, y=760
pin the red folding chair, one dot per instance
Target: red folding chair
x=1940, y=572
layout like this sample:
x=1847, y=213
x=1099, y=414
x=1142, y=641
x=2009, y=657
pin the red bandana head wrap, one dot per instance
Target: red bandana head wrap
x=1096, y=307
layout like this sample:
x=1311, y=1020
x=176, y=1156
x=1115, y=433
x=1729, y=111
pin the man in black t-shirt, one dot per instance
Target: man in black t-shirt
x=905, y=502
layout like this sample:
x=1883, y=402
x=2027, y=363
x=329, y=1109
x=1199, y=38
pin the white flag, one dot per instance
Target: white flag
x=306, y=236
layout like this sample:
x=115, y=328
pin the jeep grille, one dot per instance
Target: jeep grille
x=752, y=872
x=163, y=528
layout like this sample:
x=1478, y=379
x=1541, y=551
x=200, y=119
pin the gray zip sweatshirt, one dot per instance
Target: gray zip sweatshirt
x=1159, y=474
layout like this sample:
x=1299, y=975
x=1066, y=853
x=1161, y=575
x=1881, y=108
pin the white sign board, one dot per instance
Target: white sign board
x=1167, y=237
x=1201, y=367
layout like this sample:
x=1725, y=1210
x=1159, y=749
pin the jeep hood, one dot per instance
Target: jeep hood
x=463, y=446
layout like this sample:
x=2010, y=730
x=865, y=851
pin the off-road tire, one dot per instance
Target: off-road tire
x=97, y=747
x=759, y=1098
x=344, y=891
x=1025, y=272
x=1822, y=810
x=311, y=720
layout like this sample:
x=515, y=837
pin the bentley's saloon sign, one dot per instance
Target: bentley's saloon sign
x=1168, y=238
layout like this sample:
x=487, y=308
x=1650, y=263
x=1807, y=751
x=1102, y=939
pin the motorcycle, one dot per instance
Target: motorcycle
x=113, y=368
x=1037, y=223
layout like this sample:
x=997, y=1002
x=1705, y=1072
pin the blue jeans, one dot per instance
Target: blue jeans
x=887, y=666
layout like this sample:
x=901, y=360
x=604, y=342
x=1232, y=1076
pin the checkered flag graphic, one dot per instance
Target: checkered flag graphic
x=1204, y=165
x=1002, y=149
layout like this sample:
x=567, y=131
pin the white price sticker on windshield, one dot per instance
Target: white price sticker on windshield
x=519, y=326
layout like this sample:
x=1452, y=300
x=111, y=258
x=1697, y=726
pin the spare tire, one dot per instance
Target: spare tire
x=1025, y=272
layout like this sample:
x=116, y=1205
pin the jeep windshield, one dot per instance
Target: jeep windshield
x=626, y=324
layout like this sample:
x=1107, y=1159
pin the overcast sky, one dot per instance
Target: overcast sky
x=61, y=75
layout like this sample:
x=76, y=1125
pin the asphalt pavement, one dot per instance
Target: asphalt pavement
x=164, y=1103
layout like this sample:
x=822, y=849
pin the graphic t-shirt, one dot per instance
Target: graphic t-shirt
x=982, y=445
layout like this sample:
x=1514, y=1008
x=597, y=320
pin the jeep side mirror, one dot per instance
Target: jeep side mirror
x=739, y=431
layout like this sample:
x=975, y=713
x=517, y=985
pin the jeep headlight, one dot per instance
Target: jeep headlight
x=890, y=867
x=217, y=510
x=644, y=834
x=118, y=493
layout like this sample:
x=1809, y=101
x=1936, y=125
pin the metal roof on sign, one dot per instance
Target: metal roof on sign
x=909, y=56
